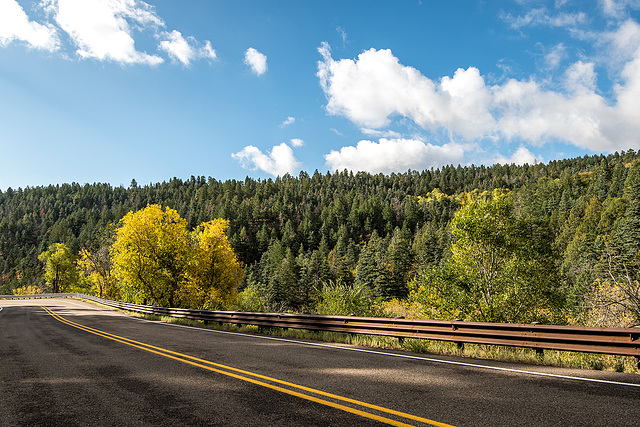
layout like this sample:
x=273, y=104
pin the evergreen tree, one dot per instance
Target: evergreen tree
x=399, y=255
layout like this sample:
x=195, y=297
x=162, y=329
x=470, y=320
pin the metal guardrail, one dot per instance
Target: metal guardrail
x=616, y=341
x=39, y=296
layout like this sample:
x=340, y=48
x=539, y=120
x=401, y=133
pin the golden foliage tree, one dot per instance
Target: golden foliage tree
x=27, y=290
x=155, y=257
x=215, y=272
x=60, y=270
x=151, y=255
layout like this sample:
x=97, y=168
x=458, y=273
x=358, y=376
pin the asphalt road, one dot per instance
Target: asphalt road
x=69, y=363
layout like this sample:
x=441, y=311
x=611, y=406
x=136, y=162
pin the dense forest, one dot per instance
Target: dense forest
x=561, y=238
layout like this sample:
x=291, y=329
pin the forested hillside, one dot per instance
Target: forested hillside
x=563, y=237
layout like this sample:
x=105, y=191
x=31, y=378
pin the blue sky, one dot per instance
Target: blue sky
x=115, y=90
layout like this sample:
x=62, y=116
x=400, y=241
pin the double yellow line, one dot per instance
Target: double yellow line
x=256, y=379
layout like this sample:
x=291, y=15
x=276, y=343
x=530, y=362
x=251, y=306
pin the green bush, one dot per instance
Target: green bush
x=339, y=299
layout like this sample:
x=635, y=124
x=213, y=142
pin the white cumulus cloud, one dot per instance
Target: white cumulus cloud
x=375, y=88
x=393, y=155
x=278, y=162
x=185, y=50
x=102, y=29
x=256, y=61
x=521, y=156
x=296, y=142
x=15, y=25
x=526, y=111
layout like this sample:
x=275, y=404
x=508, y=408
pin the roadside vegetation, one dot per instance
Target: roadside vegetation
x=562, y=359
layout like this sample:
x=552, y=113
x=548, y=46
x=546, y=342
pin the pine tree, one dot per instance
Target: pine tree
x=399, y=255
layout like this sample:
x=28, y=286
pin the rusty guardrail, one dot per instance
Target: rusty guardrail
x=617, y=341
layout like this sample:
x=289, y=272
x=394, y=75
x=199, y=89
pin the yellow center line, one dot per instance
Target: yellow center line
x=205, y=364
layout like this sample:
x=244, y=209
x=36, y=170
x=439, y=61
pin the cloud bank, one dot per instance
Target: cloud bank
x=375, y=90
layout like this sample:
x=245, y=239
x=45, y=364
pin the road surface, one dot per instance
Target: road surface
x=69, y=363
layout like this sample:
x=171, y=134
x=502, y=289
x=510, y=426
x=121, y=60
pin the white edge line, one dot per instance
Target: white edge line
x=403, y=356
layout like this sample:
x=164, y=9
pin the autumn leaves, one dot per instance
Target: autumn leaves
x=156, y=258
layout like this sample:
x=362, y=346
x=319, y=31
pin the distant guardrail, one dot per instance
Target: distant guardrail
x=616, y=341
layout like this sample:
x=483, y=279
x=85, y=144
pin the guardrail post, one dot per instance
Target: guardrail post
x=459, y=345
x=400, y=339
x=539, y=351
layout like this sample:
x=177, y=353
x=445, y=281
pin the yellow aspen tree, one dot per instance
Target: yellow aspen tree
x=151, y=255
x=60, y=269
x=215, y=272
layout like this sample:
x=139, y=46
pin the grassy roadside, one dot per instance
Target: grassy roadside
x=563, y=359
